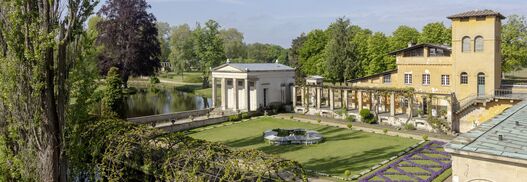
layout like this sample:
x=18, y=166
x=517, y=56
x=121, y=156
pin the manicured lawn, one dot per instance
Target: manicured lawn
x=343, y=149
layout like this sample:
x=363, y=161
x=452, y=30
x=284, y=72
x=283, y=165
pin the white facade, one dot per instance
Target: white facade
x=257, y=85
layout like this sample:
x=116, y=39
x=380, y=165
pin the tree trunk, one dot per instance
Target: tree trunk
x=206, y=81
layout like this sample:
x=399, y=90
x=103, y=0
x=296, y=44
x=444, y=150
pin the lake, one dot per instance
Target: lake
x=146, y=102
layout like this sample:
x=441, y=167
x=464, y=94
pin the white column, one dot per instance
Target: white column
x=213, y=93
x=235, y=93
x=345, y=99
x=293, y=96
x=359, y=102
x=247, y=95
x=331, y=99
x=223, y=94
x=318, y=89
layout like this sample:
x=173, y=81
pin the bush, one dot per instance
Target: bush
x=367, y=116
x=154, y=80
x=409, y=126
x=318, y=120
x=350, y=126
x=351, y=118
x=235, y=117
x=425, y=137
x=291, y=117
x=385, y=131
x=347, y=173
x=245, y=115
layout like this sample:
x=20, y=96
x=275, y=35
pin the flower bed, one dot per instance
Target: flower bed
x=423, y=164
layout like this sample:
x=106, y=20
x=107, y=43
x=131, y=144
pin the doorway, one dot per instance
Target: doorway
x=265, y=97
x=481, y=84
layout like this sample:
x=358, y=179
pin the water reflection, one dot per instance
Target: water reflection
x=147, y=102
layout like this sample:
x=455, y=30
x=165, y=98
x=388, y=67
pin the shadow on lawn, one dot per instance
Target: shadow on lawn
x=354, y=163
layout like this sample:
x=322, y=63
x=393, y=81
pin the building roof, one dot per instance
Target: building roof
x=247, y=67
x=374, y=75
x=446, y=47
x=484, y=139
x=476, y=13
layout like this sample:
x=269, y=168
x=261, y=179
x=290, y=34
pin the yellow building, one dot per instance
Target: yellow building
x=471, y=68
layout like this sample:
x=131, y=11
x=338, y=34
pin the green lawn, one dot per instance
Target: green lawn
x=343, y=149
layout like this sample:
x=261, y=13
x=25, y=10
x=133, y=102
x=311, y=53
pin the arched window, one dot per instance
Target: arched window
x=464, y=78
x=478, y=44
x=465, y=44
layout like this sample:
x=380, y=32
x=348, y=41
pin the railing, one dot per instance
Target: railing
x=509, y=94
x=169, y=116
x=514, y=83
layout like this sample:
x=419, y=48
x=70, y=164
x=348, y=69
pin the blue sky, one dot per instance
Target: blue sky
x=280, y=21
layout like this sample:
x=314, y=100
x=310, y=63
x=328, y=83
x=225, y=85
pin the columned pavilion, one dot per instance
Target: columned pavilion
x=249, y=86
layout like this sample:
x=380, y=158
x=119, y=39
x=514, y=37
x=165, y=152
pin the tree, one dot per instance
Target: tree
x=294, y=56
x=514, y=43
x=265, y=53
x=233, y=43
x=35, y=86
x=357, y=67
x=208, y=47
x=182, y=54
x=402, y=36
x=129, y=35
x=435, y=33
x=338, y=49
x=311, y=55
x=163, y=36
x=378, y=48
x=113, y=100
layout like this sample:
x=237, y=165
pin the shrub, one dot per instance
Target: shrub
x=245, y=115
x=385, y=131
x=154, y=80
x=367, y=116
x=347, y=173
x=351, y=118
x=318, y=120
x=235, y=117
x=350, y=126
x=409, y=126
x=425, y=137
x=291, y=117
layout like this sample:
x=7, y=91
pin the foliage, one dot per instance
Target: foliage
x=113, y=99
x=245, y=115
x=351, y=118
x=121, y=151
x=378, y=58
x=208, y=47
x=265, y=53
x=192, y=78
x=402, y=36
x=367, y=116
x=40, y=43
x=514, y=43
x=233, y=43
x=409, y=126
x=319, y=120
x=235, y=117
x=182, y=55
x=350, y=126
x=294, y=57
x=135, y=51
x=337, y=50
x=425, y=137
x=163, y=36
x=436, y=33
x=385, y=131
x=154, y=80
x=311, y=58
x=347, y=173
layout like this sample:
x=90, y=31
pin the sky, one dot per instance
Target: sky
x=280, y=21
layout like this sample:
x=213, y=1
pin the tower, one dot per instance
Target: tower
x=476, y=52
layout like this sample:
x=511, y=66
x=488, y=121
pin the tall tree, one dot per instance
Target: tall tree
x=182, y=53
x=361, y=60
x=34, y=83
x=233, y=43
x=208, y=47
x=514, y=43
x=129, y=35
x=435, y=33
x=378, y=48
x=311, y=55
x=337, y=49
x=402, y=36
x=163, y=36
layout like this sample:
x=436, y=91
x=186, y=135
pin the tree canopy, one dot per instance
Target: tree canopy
x=135, y=51
x=514, y=43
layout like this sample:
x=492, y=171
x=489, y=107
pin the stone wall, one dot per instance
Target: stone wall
x=169, y=116
x=466, y=168
x=193, y=124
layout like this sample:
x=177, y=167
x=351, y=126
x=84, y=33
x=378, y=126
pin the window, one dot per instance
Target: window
x=426, y=79
x=414, y=53
x=478, y=44
x=480, y=18
x=407, y=78
x=465, y=44
x=464, y=78
x=433, y=52
x=229, y=82
x=464, y=19
x=387, y=78
x=240, y=83
x=445, y=80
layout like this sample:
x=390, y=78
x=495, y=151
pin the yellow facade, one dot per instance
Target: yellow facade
x=432, y=72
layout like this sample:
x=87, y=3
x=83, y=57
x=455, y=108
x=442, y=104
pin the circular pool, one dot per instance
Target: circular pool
x=292, y=136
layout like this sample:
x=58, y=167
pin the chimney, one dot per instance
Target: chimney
x=410, y=44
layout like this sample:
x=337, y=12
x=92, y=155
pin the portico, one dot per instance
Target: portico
x=249, y=86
